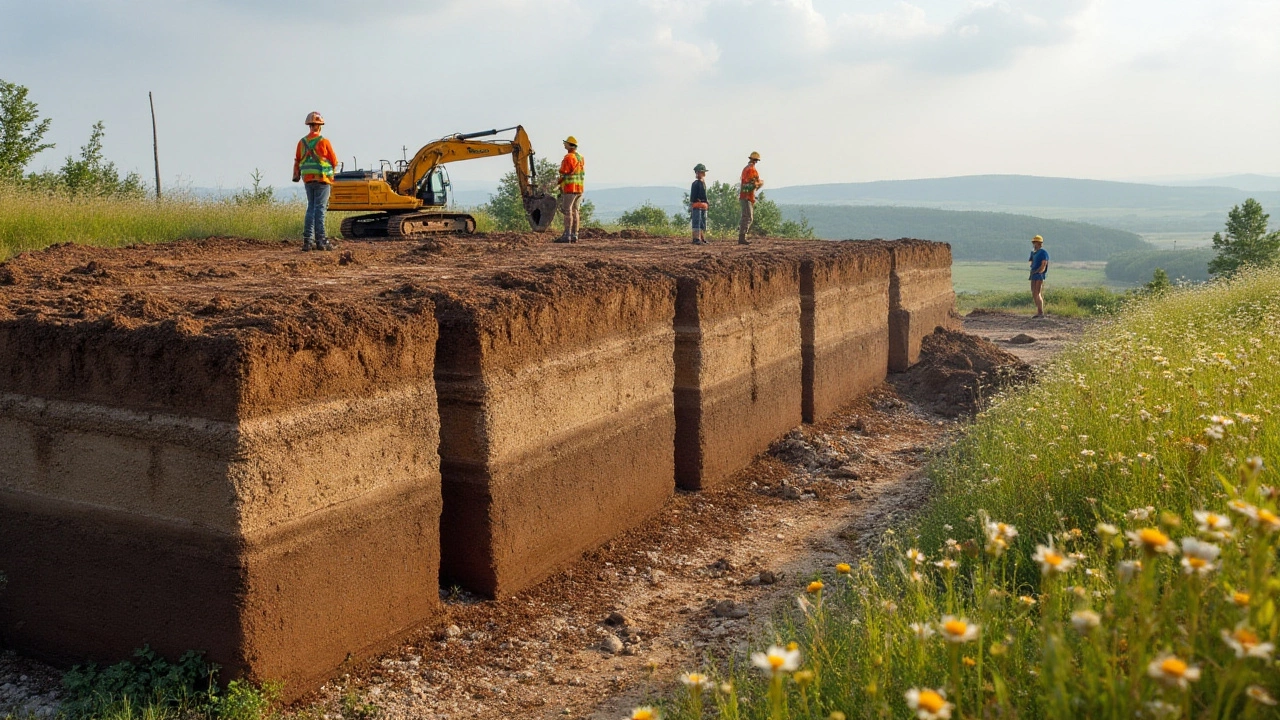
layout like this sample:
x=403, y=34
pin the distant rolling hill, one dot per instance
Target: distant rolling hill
x=1126, y=206
x=973, y=235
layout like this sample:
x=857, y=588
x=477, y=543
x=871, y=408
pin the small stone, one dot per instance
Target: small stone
x=1022, y=339
x=722, y=564
x=610, y=644
x=753, y=580
x=768, y=577
x=656, y=577
x=617, y=619
x=789, y=492
x=452, y=631
x=729, y=609
x=845, y=472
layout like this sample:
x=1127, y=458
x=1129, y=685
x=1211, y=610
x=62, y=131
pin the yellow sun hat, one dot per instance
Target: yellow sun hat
x=1037, y=239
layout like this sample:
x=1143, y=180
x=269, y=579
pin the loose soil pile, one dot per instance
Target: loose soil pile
x=957, y=372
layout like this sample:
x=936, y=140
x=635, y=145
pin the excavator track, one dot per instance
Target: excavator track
x=407, y=226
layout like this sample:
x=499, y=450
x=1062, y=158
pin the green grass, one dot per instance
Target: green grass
x=973, y=277
x=1167, y=410
x=1065, y=302
x=30, y=221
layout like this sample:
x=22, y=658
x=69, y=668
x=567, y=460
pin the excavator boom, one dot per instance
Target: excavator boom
x=407, y=200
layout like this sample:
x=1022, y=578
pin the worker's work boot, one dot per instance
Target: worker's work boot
x=573, y=238
x=563, y=239
x=306, y=246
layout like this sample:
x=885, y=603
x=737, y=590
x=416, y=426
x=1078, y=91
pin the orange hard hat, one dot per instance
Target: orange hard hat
x=754, y=156
x=314, y=118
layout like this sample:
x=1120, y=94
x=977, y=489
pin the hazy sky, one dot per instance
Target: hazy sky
x=825, y=90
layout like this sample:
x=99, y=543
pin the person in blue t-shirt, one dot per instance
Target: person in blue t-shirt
x=1039, y=268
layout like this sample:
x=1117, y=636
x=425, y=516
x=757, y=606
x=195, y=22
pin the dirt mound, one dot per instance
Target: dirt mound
x=957, y=372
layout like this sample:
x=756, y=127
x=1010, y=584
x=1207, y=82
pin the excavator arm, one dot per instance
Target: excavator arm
x=539, y=207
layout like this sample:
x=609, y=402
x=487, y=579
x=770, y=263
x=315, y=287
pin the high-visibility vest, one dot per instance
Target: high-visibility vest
x=312, y=163
x=750, y=178
x=573, y=173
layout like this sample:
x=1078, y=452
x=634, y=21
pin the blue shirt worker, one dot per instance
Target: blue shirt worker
x=1039, y=269
x=698, y=205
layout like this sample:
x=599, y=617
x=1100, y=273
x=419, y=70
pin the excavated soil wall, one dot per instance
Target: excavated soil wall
x=556, y=421
x=270, y=497
x=738, y=363
x=844, y=325
x=921, y=297
x=229, y=446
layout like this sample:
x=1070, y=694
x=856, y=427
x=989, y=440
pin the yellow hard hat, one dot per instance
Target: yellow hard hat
x=314, y=118
x=571, y=140
x=754, y=156
x=1037, y=239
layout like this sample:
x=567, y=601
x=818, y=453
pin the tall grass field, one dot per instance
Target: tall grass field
x=30, y=221
x=1101, y=544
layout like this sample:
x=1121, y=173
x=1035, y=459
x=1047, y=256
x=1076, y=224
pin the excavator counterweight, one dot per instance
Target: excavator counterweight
x=413, y=201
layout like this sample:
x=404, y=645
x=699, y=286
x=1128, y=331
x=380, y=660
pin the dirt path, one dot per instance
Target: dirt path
x=1050, y=334
x=618, y=626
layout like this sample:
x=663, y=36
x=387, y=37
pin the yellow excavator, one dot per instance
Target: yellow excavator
x=412, y=200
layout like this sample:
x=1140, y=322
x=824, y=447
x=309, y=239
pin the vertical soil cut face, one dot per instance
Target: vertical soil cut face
x=738, y=363
x=921, y=297
x=258, y=482
x=273, y=457
x=556, y=419
x=844, y=316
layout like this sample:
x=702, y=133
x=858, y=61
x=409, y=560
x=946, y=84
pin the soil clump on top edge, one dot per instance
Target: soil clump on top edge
x=957, y=372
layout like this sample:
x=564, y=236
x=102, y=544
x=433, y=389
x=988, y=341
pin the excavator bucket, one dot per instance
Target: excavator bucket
x=541, y=210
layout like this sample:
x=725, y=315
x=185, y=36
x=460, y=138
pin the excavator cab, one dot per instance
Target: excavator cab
x=435, y=187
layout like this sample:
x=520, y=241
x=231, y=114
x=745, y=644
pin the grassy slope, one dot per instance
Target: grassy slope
x=1151, y=418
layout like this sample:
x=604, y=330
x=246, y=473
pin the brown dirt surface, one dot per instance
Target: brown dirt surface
x=1052, y=334
x=956, y=371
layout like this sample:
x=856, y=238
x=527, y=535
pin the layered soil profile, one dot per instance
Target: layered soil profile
x=257, y=480
x=556, y=417
x=231, y=446
x=738, y=363
x=921, y=297
x=844, y=326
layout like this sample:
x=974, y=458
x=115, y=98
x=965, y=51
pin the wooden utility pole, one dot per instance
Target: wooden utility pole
x=155, y=145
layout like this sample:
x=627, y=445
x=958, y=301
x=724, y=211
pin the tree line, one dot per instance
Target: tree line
x=22, y=133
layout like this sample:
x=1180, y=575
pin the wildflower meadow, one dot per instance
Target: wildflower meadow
x=1101, y=544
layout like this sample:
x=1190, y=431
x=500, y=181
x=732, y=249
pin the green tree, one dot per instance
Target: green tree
x=725, y=212
x=257, y=195
x=90, y=174
x=507, y=207
x=21, y=131
x=1159, y=282
x=1245, y=241
x=647, y=215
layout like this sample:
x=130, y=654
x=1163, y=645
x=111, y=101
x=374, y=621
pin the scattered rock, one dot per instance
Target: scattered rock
x=789, y=492
x=656, y=577
x=1022, y=339
x=729, y=609
x=452, y=631
x=768, y=577
x=610, y=644
x=617, y=619
x=845, y=472
x=722, y=565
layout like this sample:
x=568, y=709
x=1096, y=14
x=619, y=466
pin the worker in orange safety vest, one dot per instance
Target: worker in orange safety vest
x=313, y=164
x=751, y=182
x=572, y=172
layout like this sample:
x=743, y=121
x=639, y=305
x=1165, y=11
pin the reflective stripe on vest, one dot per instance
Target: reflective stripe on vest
x=312, y=163
x=573, y=182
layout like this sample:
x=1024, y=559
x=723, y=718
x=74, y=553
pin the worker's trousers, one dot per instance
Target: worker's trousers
x=317, y=204
x=748, y=214
x=569, y=204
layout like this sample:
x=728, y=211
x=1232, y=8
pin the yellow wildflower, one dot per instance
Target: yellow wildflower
x=1246, y=643
x=644, y=713
x=815, y=586
x=776, y=660
x=1052, y=561
x=1152, y=540
x=957, y=630
x=844, y=568
x=929, y=704
x=1173, y=671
